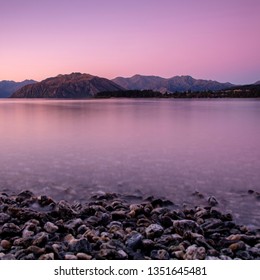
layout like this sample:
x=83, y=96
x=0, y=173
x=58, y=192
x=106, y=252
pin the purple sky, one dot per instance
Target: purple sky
x=206, y=39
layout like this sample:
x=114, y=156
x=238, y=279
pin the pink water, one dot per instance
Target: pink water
x=71, y=148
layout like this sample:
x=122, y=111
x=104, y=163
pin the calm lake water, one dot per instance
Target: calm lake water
x=71, y=148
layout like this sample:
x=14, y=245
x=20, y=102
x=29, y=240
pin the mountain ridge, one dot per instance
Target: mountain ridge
x=174, y=84
x=7, y=88
x=74, y=85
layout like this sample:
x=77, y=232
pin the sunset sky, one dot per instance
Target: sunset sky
x=206, y=39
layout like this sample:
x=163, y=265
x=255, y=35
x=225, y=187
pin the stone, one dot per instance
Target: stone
x=4, y=218
x=80, y=246
x=244, y=255
x=49, y=256
x=135, y=241
x=143, y=222
x=237, y=246
x=27, y=233
x=28, y=257
x=212, y=201
x=179, y=254
x=136, y=209
x=195, y=253
x=24, y=242
x=83, y=256
x=147, y=244
x=6, y=244
x=154, y=230
x=10, y=229
x=70, y=257
x=8, y=257
x=160, y=255
x=36, y=250
x=40, y=239
x=50, y=227
x=182, y=226
x=64, y=209
x=44, y=201
x=74, y=223
x=118, y=215
x=166, y=221
x=168, y=239
x=121, y=255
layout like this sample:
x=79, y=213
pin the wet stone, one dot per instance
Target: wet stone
x=212, y=201
x=40, y=239
x=49, y=256
x=237, y=246
x=160, y=255
x=121, y=255
x=70, y=257
x=154, y=230
x=134, y=241
x=83, y=256
x=35, y=250
x=111, y=228
x=80, y=245
x=6, y=244
x=64, y=209
x=244, y=255
x=195, y=253
x=118, y=215
x=182, y=226
x=28, y=257
x=10, y=229
x=8, y=257
x=4, y=218
x=50, y=227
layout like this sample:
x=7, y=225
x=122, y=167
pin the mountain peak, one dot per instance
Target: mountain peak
x=74, y=85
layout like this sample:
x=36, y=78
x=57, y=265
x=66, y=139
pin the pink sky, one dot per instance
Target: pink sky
x=216, y=40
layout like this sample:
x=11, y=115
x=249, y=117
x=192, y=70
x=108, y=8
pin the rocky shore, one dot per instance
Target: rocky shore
x=110, y=227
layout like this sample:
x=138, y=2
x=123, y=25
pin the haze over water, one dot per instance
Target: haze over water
x=69, y=149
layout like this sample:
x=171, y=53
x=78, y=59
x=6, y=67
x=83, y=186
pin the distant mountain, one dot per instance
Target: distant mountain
x=7, y=88
x=177, y=83
x=74, y=85
x=257, y=83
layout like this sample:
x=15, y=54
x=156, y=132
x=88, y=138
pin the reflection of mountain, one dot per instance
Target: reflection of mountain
x=177, y=83
x=74, y=85
x=7, y=88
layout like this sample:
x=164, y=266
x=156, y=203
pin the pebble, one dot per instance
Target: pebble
x=212, y=201
x=50, y=227
x=160, y=255
x=134, y=241
x=83, y=256
x=108, y=227
x=6, y=245
x=154, y=230
x=80, y=246
x=4, y=218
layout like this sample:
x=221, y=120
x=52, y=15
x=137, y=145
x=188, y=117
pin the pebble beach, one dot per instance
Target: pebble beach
x=108, y=226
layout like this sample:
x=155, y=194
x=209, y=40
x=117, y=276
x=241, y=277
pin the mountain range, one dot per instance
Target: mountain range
x=9, y=87
x=174, y=84
x=77, y=85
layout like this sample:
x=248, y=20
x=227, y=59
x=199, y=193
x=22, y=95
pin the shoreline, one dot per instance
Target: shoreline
x=109, y=227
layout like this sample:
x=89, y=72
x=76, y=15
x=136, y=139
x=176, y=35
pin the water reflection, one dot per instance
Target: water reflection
x=69, y=149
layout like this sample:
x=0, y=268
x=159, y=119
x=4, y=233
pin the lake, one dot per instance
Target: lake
x=70, y=149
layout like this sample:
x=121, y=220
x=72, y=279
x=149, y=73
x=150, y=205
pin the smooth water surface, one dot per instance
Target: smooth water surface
x=164, y=147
